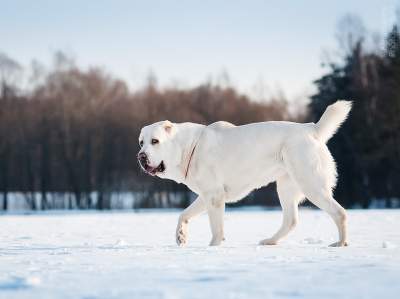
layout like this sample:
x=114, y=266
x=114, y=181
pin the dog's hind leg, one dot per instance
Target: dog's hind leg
x=315, y=174
x=326, y=202
x=289, y=196
x=196, y=208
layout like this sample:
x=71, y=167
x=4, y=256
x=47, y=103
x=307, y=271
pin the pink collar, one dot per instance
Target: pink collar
x=193, y=148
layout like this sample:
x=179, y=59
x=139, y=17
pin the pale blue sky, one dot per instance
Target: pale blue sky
x=276, y=42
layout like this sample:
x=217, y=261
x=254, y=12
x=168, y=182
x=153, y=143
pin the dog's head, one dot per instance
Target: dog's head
x=159, y=153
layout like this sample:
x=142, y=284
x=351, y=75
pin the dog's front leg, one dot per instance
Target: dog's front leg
x=216, y=209
x=197, y=207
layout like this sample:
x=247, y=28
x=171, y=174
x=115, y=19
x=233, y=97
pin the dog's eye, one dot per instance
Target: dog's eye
x=141, y=143
x=154, y=141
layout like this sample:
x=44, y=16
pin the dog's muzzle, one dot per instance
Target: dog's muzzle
x=144, y=163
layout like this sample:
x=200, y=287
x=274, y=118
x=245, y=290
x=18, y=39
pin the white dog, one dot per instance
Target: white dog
x=222, y=163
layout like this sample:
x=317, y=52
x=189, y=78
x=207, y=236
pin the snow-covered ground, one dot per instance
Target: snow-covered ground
x=133, y=255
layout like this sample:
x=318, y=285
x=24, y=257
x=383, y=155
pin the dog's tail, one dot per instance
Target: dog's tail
x=331, y=120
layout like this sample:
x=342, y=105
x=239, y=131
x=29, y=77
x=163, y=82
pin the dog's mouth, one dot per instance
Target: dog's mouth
x=154, y=170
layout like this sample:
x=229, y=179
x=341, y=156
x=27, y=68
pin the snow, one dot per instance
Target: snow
x=133, y=255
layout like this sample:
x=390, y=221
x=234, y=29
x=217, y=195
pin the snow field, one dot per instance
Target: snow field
x=133, y=255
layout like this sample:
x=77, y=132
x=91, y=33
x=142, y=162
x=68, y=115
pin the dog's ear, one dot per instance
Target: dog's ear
x=168, y=126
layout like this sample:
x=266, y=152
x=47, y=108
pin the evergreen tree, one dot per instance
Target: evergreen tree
x=367, y=147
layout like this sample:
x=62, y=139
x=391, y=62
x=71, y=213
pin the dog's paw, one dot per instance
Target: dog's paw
x=181, y=240
x=339, y=244
x=181, y=235
x=216, y=241
x=268, y=242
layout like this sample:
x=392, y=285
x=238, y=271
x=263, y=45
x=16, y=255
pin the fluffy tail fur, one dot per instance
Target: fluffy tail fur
x=331, y=120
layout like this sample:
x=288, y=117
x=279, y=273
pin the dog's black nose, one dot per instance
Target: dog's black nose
x=142, y=157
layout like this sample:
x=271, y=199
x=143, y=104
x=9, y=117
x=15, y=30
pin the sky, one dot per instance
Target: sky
x=264, y=46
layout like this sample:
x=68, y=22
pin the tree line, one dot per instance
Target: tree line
x=75, y=132
x=68, y=135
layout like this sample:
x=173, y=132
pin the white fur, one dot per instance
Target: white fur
x=230, y=161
